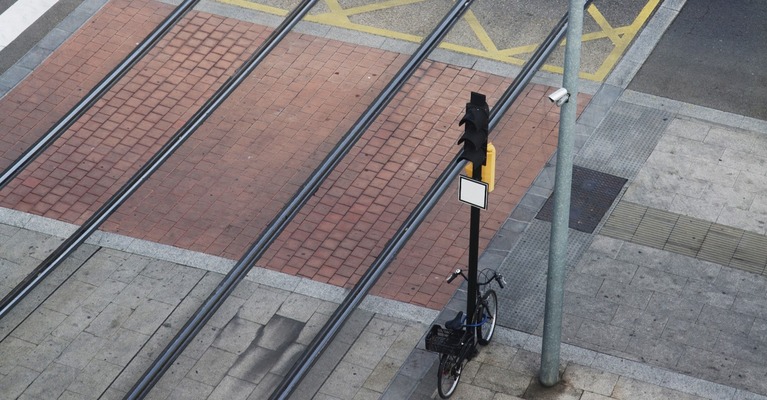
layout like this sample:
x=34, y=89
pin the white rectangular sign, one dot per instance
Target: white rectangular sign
x=472, y=192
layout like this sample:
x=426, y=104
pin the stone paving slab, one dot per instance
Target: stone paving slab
x=705, y=240
x=707, y=153
x=95, y=334
x=107, y=349
x=508, y=367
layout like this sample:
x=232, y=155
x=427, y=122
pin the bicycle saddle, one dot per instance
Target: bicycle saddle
x=455, y=323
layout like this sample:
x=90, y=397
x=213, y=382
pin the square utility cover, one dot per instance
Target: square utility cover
x=593, y=193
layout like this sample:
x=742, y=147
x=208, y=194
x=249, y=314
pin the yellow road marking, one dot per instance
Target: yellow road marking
x=631, y=32
x=255, y=6
x=480, y=31
x=587, y=37
x=606, y=28
x=644, y=15
x=337, y=11
x=379, y=6
x=529, y=48
x=347, y=24
x=338, y=16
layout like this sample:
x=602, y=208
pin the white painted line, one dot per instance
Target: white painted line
x=19, y=17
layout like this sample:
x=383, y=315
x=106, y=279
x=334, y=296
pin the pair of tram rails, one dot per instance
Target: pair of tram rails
x=275, y=227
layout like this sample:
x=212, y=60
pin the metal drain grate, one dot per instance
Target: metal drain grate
x=593, y=193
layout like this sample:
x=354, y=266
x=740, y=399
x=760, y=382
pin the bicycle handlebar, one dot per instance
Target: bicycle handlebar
x=496, y=276
x=454, y=275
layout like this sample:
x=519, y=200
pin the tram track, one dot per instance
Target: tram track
x=355, y=296
x=96, y=93
x=193, y=326
x=94, y=221
x=314, y=189
x=71, y=243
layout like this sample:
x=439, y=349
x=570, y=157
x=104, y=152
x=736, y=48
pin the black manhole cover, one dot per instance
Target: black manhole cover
x=593, y=193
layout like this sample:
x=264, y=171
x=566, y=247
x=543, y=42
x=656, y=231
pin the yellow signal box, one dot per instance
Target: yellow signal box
x=488, y=170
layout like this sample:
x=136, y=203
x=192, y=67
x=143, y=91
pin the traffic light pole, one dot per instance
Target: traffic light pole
x=471, y=302
x=476, y=128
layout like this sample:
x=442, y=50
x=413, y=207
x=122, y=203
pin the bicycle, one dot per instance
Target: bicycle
x=457, y=342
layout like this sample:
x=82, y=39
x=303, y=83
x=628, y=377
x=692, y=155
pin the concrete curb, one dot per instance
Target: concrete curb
x=207, y=262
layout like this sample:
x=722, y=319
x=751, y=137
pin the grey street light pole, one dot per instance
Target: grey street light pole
x=552, y=323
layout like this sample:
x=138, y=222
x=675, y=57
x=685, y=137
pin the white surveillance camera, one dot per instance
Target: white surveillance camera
x=560, y=96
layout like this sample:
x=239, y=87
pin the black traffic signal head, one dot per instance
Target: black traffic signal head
x=476, y=127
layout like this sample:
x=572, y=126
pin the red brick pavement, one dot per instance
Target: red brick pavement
x=227, y=182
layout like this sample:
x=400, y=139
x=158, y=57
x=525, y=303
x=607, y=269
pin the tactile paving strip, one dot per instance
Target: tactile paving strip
x=525, y=271
x=624, y=140
x=692, y=237
x=593, y=193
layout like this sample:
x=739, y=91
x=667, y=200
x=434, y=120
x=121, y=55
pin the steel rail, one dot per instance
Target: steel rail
x=95, y=94
x=94, y=221
x=352, y=300
x=278, y=224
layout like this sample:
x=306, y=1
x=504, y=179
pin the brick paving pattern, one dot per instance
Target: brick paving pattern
x=222, y=187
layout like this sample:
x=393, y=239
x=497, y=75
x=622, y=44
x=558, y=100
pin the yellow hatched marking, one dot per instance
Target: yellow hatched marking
x=630, y=32
x=606, y=27
x=255, y=6
x=587, y=37
x=480, y=31
x=338, y=16
x=529, y=48
x=366, y=29
x=336, y=11
x=644, y=15
x=379, y=6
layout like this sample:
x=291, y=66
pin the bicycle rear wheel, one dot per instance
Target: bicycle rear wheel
x=489, y=311
x=450, y=368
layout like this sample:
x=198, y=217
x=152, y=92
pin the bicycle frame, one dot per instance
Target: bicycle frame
x=458, y=342
x=496, y=277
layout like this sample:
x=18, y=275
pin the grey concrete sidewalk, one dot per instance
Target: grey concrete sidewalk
x=670, y=282
x=93, y=334
x=508, y=369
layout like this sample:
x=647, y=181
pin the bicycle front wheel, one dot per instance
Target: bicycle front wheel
x=489, y=311
x=448, y=374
